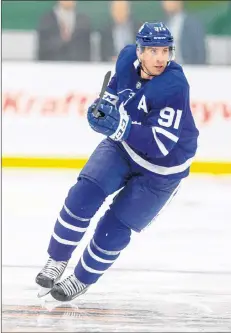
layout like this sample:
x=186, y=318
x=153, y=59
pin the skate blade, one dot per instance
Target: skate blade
x=43, y=292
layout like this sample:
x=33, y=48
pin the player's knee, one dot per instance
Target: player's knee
x=136, y=221
x=84, y=198
x=111, y=234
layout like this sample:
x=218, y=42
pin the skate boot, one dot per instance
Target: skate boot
x=50, y=274
x=68, y=289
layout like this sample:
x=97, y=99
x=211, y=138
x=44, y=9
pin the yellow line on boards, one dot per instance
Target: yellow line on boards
x=37, y=162
x=211, y=167
x=78, y=163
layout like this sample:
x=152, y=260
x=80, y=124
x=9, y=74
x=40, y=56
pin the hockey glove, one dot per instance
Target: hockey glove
x=113, y=123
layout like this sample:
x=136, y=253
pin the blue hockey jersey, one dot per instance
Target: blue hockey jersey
x=163, y=135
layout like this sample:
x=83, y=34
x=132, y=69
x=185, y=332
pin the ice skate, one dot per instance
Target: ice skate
x=68, y=289
x=50, y=274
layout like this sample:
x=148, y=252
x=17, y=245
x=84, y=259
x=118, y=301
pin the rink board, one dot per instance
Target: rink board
x=78, y=163
x=44, y=114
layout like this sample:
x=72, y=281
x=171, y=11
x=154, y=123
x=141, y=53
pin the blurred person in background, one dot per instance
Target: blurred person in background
x=188, y=33
x=119, y=31
x=64, y=34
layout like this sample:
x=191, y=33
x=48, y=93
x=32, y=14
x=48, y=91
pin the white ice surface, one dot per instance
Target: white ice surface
x=175, y=276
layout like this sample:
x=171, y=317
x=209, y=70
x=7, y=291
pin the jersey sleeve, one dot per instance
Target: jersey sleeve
x=161, y=129
x=121, y=63
x=111, y=95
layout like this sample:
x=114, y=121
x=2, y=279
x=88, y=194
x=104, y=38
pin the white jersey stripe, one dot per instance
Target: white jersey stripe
x=161, y=170
x=160, y=144
x=166, y=133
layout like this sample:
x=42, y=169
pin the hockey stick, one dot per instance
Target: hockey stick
x=107, y=76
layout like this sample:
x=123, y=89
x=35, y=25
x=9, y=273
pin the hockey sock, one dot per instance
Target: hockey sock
x=81, y=204
x=110, y=238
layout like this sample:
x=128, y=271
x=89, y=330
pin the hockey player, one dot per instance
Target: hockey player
x=151, y=140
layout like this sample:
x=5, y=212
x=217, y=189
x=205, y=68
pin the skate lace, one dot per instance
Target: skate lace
x=54, y=269
x=71, y=285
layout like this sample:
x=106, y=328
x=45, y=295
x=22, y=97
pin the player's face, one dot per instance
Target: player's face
x=154, y=59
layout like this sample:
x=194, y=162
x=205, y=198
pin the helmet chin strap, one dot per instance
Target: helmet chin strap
x=142, y=68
